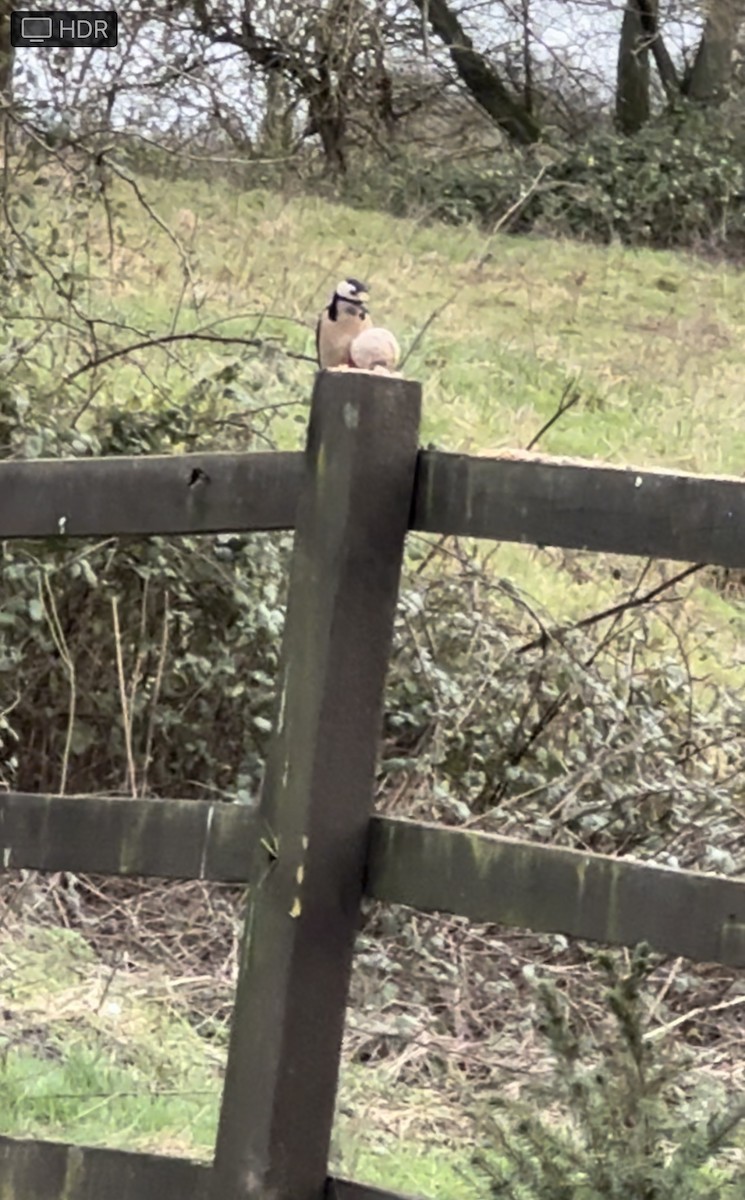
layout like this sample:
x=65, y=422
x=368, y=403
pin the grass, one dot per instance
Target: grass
x=418, y=1172
x=104, y=1059
x=95, y=1057
x=658, y=370
x=499, y=328
x=108, y=1059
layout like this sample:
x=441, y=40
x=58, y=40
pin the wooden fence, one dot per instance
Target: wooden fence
x=313, y=847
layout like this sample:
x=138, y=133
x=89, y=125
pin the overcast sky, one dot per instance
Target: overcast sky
x=580, y=36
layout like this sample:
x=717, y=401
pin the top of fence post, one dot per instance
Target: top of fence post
x=303, y=913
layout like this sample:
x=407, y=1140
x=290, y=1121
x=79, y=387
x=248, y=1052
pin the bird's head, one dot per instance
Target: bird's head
x=351, y=297
x=353, y=291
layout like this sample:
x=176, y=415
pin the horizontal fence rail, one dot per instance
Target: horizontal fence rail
x=548, y=889
x=32, y=1170
x=149, y=494
x=585, y=506
x=176, y=839
x=660, y=514
x=483, y=876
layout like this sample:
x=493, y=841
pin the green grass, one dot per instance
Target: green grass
x=97, y=1057
x=659, y=371
x=418, y=1172
x=652, y=341
x=106, y=1059
x=87, y=1098
x=103, y=1059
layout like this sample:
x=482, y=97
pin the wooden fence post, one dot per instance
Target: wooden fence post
x=303, y=909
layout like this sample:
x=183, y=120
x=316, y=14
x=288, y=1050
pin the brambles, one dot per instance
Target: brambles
x=678, y=183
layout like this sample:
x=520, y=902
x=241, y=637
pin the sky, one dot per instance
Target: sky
x=577, y=36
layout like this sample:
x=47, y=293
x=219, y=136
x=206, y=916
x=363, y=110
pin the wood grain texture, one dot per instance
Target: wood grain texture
x=57, y=1171
x=542, y=888
x=32, y=1170
x=176, y=839
x=308, y=872
x=551, y=890
x=158, y=494
x=582, y=506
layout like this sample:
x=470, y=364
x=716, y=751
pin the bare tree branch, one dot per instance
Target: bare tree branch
x=481, y=79
x=541, y=642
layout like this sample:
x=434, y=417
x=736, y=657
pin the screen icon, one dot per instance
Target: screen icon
x=91, y=28
x=36, y=29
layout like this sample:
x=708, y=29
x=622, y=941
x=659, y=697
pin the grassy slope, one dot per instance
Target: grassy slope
x=652, y=341
x=659, y=369
x=654, y=344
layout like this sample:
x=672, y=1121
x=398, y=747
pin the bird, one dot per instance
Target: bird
x=375, y=349
x=341, y=321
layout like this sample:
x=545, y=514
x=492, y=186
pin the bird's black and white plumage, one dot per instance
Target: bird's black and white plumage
x=341, y=321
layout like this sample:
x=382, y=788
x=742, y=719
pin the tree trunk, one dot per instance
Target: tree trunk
x=632, y=79
x=479, y=76
x=527, y=54
x=712, y=68
x=332, y=130
x=276, y=134
x=648, y=10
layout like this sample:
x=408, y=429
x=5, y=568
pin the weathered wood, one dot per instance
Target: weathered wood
x=31, y=1170
x=346, y=1189
x=177, y=839
x=167, y=494
x=303, y=910
x=586, y=507
x=687, y=517
x=192, y=839
x=57, y=1171
x=552, y=890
